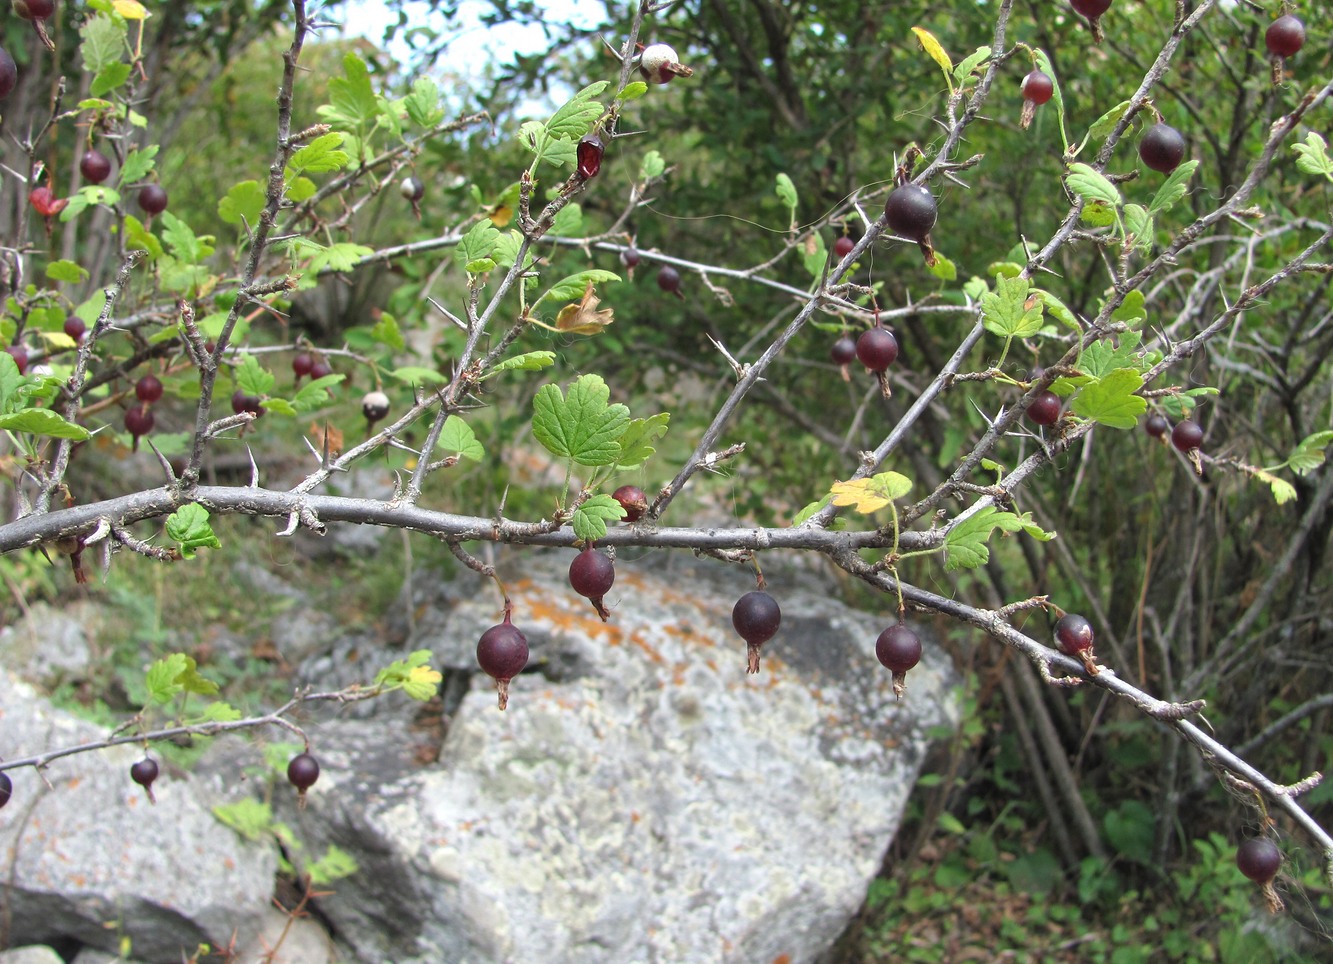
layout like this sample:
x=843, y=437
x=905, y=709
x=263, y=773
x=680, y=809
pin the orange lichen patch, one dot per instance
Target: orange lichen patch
x=229, y=863
x=782, y=959
x=634, y=816
x=678, y=671
x=560, y=614
x=638, y=640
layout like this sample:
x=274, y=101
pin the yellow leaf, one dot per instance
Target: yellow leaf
x=501, y=215
x=932, y=46
x=859, y=494
x=584, y=318
x=131, y=9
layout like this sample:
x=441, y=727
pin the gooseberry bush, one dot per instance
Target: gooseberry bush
x=547, y=283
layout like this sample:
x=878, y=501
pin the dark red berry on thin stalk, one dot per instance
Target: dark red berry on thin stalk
x=6, y=788
x=1162, y=148
x=20, y=356
x=589, y=153
x=75, y=327
x=241, y=402
x=138, y=422
x=1259, y=859
x=502, y=653
x=302, y=363
x=144, y=773
x=1073, y=633
x=668, y=279
x=1044, y=408
x=148, y=389
x=630, y=257
x=756, y=616
x=843, y=351
x=302, y=772
x=1285, y=36
x=1156, y=425
x=1187, y=435
x=843, y=246
x=1038, y=87
x=877, y=349
x=34, y=9
x=320, y=369
x=152, y=199
x=94, y=166
x=632, y=500
x=9, y=74
x=592, y=574
x=899, y=649
x=911, y=212
x=1091, y=8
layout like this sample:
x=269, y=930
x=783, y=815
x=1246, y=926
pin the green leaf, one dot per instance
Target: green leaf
x=1312, y=156
x=1131, y=309
x=480, y=266
x=965, y=544
x=1056, y=308
x=423, y=104
x=300, y=189
x=1005, y=311
x=251, y=377
x=386, y=332
x=103, y=43
x=188, y=527
x=219, y=712
x=568, y=221
x=109, y=78
x=1138, y=226
x=812, y=509
x=138, y=164
x=654, y=165
x=457, y=436
x=66, y=271
x=591, y=517
x=352, y=101
x=279, y=406
x=814, y=255
x=480, y=242
x=139, y=238
x=1089, y=184
x=582, y=427
x=343, y=256
x=635, y=444
x=314, y=394
x=1309, y=455
x=41, y=421
x=1103, y=357
x=786, y=190
x=943, y=268
x=182, y=241
x=1004, y=269
x=632, y=91
x=334, y=865
x=1111, y=400
x=1283, y=491
x=321, y=155
x=1104, y=125
x=1174, y=188
x=576, y=117
x=161, y=679
x=413, y=675
x=531, y=361
x=573, y=287
x=1097, y=215
x=505, y=252
x=971, y=63
x=251, y=818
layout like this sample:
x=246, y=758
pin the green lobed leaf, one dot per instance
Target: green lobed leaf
x=531, y=361
x=188, y=526
x=890, y=485
x=1131, y=310
x=965, y=543
x=1111, y=400
x=814, y=255
x=943, y=268
x=423, y=104
x=1005, y=311
x=138, y=164
x=1173, y=189
x=786, y=190
x=300, y=189
x=654, y=165
x=636, y=444
x=181, y=239
x=1138, y=226
x=242, y=204
x=1056, y=308
x=342, y=256
x=507, y=246
x=1309, y=454
x=279, y=406
x=219, y=712
x=109, y=78
x=251, y=377
x=591, y=517
x=479, y=242
x=103, y=43
x=314, y=394
x=971, y=63
x=1103, y=126
x=582, y=426
x=568, y=221
x=42, y=421
x=457, y=436
x=1089, y=184
x=632, y=91
x=1097, y=214
x=386, y=332
x=66, y=271
x=321, y=155
x=1312, y=156
x=161, y=678
x=577, y=115
x=416, y=375
x=352, y=101
x=573, y=287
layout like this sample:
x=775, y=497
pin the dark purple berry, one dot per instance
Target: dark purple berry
x=1038, y=87
x=1258, y=859
x=241, y=402
x=302, y=772
x=898, y=648
x=144, y=773
x=911, y=212
x=1285, y=36
x=756, y=617
x=9, y=74
x=94, y=166
x=843, y=351
x=1156, y=425
x=1074, y=634
x=374, y=406
x=843, y=246
x=34, y=9
x=1187, y=435
x=6, y=788
x=502, y=653
x=632, y=500
x=1044, y=408
x=152, y=199
x=668, y=279
x=592, y=574
x=1162, y=148
x=877, y=348
x=589, y=153
x=75, y=327
x=320, y=369
x=148, y=389
x=20, y=356
x=302, y=364
x=630, y=257
x=412, y=189
x=1091, y=8
x=138, y=422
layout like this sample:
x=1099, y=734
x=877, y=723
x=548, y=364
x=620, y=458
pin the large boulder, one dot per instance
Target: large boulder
x=642, y=798
x=86, y=858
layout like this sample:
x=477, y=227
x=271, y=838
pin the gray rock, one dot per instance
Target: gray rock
x=642, y=799
x=33, y=954
x=90, y=859
x=49, y=645
x=280, y=941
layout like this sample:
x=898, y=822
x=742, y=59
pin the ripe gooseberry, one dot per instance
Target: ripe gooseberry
x=591, y=575
x=9, y=74
x=75, y=327
x=1259, y=859
x=302, y=772
x=589, y=154
x=843, y=351
x=632, y=500
x=320, y=369
x=668, y=279
x=138, y=422
x=94, y=166
x=1044, y=409
x=899, y=649
x=843, y=246
x=630, y=257
x=152, y=199
x=911, y=211
x=1156, y=425
x=374, y=406
x=1038, y=87
x=1162, y=148
x=20, y=356
x=756, y=616
x=1187, y=435
x=34, y=9
x=1091, y=8
x=1285, y=36
x=302, y=364
x=144, y=773
x=148, y=389
x=6, y=788
x=1073, y=633
x=877, y=348
x=502, y=653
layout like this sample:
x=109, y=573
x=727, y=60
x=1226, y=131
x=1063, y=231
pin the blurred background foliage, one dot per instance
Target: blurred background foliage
x=1059, y=825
